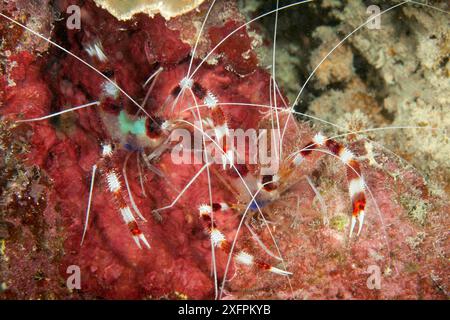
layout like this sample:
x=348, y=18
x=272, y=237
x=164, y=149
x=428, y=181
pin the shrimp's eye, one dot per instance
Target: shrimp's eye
x=108, y=73
x=153, y=127
x=198, y=90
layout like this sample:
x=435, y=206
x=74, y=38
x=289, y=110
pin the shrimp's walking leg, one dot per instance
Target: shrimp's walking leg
x=219, y=240
x=114, y=186
x=356, y=184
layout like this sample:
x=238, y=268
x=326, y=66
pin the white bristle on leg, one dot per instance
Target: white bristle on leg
x=244, y=258
x=110, y=90
x=210, y=100
x=113, y=182
x=106, y=150
x=204, y=209
x=346, y=155
x=217, y=237
x=319, y=139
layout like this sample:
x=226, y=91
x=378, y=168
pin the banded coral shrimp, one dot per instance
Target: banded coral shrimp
x=216, y=193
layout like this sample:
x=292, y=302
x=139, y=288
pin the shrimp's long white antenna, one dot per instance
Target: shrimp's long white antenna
x=60, y=112
x=326, y=57
x=127, y=185
x=208, y=173
x=187, y=80
x=141, y=180
x=278, y=151
x=180, y=194
x=88, y=209
x=153, y=75
x=78, y=58
x=243, y=26
x=260, y=243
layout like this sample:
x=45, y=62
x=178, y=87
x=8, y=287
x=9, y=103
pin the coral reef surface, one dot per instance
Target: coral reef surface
x=395, y=76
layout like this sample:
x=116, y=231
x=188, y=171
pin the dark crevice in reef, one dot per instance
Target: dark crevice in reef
x=371, y=77
x=309, y=15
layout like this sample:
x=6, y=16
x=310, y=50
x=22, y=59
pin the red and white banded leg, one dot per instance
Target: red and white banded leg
x=356, y=184
x=219, y=240
x=218, y=122
x=112, y=179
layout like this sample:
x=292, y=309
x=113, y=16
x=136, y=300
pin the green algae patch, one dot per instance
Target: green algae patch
x=339, y=222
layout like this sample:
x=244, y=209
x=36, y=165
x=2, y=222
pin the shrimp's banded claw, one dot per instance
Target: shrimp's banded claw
x=360, y=218
x=358, y=203
x=356, y=184
x=219, y=240
x=247, y=259
x=356, y=189
x=138, y=237
x=112, y=179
